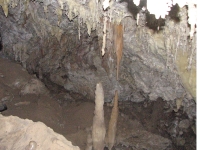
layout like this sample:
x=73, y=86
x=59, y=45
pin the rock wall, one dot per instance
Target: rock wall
x=155, y=63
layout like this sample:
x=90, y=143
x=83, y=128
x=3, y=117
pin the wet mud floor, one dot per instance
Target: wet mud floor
x=141, y=126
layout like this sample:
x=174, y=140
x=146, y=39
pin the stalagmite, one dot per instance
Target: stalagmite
x=112, y=128
x=98, y=128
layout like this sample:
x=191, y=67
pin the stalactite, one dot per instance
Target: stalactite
x=104, y=37
x=118, y=44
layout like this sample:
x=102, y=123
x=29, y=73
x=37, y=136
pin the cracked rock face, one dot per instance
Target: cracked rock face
x=153, y=62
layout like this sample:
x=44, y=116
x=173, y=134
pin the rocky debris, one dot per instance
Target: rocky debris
x=25, y=134
x=179, y=129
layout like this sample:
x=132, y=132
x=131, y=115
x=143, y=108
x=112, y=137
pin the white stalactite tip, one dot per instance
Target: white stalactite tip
x=102, y=52
x=104, y=37
x=103, y=45
x=138, y=17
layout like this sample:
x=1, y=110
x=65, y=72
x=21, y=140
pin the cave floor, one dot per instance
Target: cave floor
x=140, y=126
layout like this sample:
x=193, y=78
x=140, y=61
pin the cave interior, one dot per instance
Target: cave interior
x=104, y=74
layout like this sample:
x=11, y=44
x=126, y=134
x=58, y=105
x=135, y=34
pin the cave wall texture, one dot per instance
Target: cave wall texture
x=155, y=64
